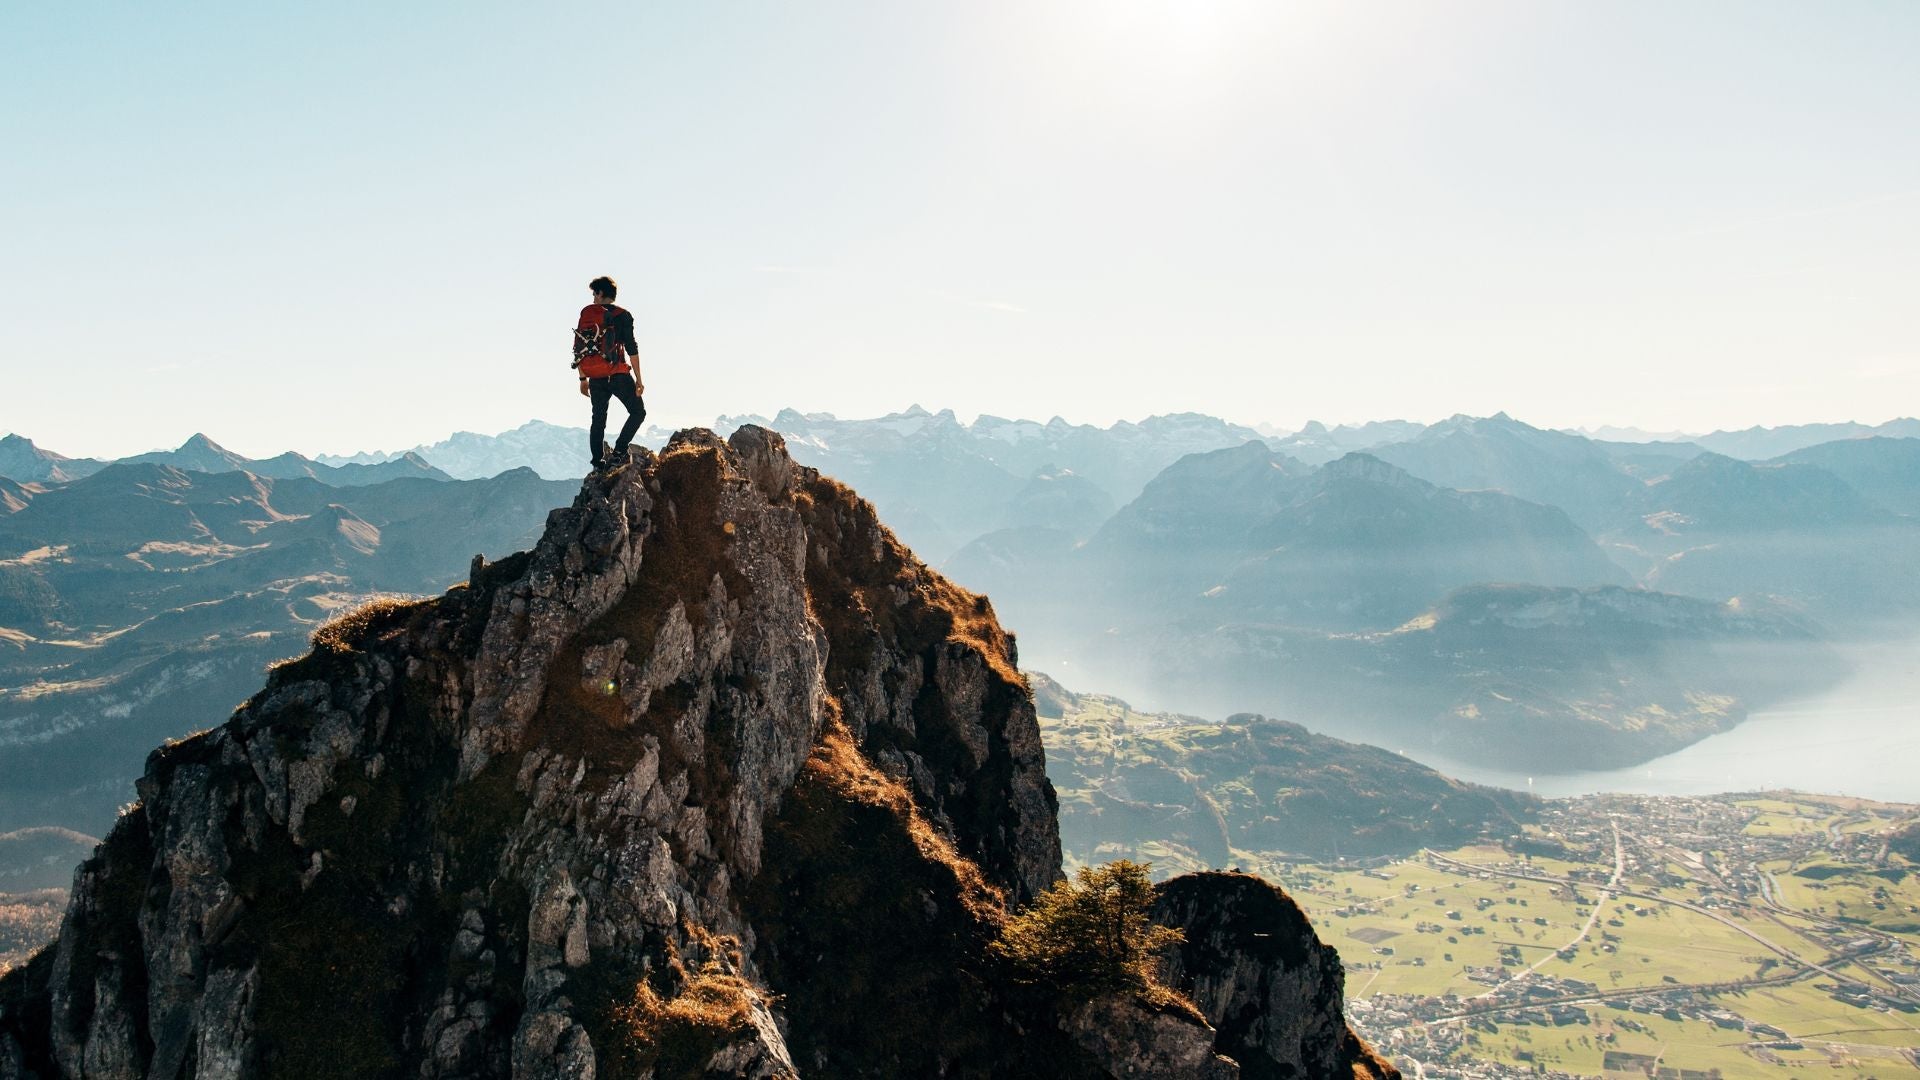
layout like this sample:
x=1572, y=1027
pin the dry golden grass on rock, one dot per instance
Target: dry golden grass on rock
x=877, y=580
x=838, y=766
x=338, y=635
x=675, y=1035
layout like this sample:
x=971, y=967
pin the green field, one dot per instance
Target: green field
x=1680, y=933
x=1886, y=898
x=1678, y=1044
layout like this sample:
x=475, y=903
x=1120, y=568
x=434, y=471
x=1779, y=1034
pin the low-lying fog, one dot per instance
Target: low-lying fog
x=1862, y=738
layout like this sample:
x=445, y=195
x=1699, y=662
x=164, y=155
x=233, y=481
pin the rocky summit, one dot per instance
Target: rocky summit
x=716, y=780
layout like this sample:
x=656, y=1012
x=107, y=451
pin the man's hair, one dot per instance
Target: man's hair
x=604, y=286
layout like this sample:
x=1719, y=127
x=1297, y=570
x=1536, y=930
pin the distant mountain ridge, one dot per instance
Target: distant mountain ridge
x=1792, y=532
x=21, y=460
x=1500, y=453
x=145, y=593
x=41, y=858
x=555, y=451
x=1247, y=534
x=1346, y=595
x=940, y=482
x=1884, y=469
x=1317, y=444
x=1758, y=443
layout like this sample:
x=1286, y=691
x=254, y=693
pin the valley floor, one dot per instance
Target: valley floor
x=1734, y=936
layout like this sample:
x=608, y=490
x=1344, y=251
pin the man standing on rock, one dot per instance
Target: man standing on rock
x=608, y=360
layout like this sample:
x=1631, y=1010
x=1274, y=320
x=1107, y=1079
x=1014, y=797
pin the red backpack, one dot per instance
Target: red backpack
x=600, y=341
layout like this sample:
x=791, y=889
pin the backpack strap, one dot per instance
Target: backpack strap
x=610, y=337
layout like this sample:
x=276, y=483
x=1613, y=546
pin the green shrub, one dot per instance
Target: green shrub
x=1091, y=934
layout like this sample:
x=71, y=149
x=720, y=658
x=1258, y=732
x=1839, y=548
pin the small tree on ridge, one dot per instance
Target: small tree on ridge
x=1091, y=934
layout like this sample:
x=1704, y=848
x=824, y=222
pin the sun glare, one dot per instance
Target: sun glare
x=1160, y=57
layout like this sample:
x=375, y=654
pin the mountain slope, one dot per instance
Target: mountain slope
x=716, y=780
x=1502, y=454
x=14, y=495
x=1885, y=470
x=1249, y=535
x=1192, y=523
x=1240, y=579
x=1363, y=545
x=23, y=462
x=133, y=540
x=1056, y=498
x=940, y=483
x=1189, y=794
x=1720, y=528
x=197, y=454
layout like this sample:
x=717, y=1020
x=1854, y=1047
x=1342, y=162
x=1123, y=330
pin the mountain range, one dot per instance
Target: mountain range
x=1757, y=443
x=1885, y=470
x=1344, y=596
x=23, y=462
x=940, y=483
x=144, y=594
x=1794, y=533
x=1300, y=574
x=554, y=451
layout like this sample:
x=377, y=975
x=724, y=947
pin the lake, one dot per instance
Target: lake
x=1861, y=738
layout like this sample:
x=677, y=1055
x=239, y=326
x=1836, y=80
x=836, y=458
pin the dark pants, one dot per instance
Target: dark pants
x=613, y=386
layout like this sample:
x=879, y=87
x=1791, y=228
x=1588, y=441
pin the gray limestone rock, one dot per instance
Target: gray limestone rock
x=1132, y=1039
x=1254, y=967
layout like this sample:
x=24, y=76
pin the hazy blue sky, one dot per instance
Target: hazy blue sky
x=357, y=225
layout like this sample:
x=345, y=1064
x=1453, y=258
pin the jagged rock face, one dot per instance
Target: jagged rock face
x=1131, y=1038
x=716, y=780
x=1255, y=968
